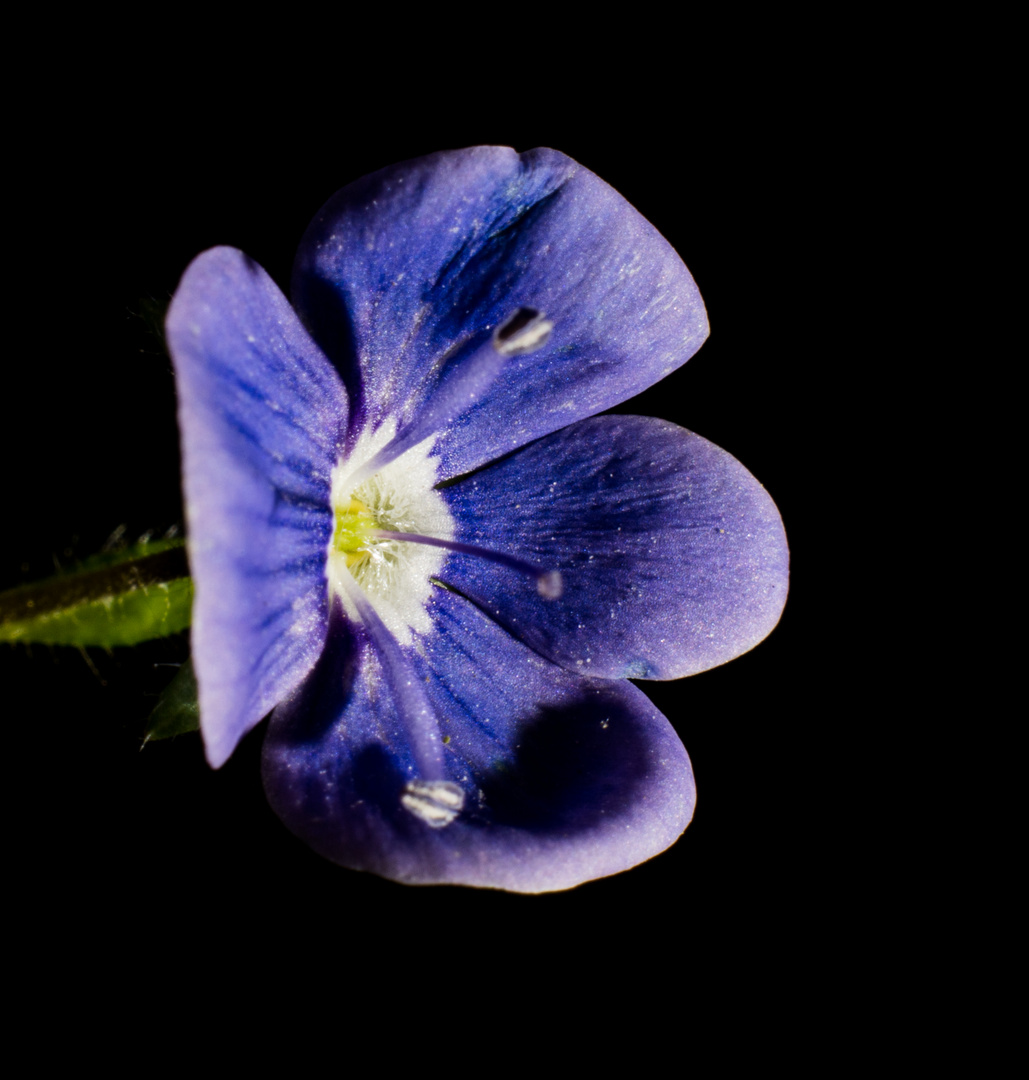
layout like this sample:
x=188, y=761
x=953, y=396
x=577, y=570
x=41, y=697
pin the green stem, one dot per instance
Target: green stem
x=113, y=599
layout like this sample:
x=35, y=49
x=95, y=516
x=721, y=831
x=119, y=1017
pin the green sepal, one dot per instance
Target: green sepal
x=131, y=553
x=177, y=711
x=115, y=598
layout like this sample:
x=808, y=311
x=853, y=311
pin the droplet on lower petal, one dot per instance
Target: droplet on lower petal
x=436, y=802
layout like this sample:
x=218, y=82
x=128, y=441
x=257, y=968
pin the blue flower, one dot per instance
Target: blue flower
x=415, y=543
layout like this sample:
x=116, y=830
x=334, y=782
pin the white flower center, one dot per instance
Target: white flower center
x=399, y=498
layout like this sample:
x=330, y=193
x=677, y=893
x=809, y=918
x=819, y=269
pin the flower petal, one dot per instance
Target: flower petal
x=673, y=557
x=565, y=779
x=262, y=415
x=402, y=274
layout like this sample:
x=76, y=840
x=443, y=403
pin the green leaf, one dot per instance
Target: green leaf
x=177, y=711
x=116, y=598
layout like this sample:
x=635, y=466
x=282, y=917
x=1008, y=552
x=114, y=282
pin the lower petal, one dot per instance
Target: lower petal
x=565, y=779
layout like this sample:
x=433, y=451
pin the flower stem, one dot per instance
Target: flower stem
x=113, y=599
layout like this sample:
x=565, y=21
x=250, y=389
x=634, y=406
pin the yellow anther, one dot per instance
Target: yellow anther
x=353, y=524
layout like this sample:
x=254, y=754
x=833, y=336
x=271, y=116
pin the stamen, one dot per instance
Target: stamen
x=351, y=533
x=413, y=711
x=524, y=332
x=548, y=582
x=429, y=797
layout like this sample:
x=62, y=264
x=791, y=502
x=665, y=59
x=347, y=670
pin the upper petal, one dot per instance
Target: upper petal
x=262, y=415
x=565, y=779
x=401, y=274
x=673, y=557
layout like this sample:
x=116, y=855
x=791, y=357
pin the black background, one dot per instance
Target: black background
x=123, y=844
